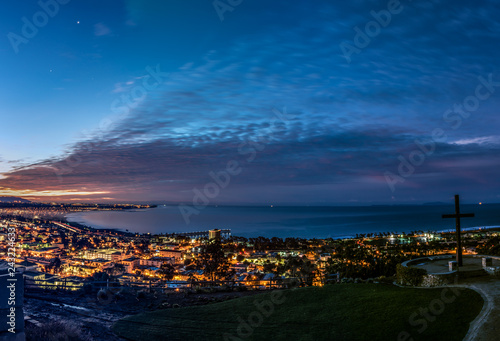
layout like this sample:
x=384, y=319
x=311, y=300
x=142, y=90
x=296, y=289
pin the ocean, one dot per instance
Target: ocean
x=303, y=222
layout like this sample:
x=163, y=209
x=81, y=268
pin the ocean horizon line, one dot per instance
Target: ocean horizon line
x=303, y=222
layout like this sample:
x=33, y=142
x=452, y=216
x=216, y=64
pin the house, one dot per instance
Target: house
x=251, y=267
x=34, y=275
x=113, y=255
x=130, y=264
x=58, y=245
x=80, y=270
x=177, y=254
x=47, y=252
x=41, y=262
x=171, y=246
x=156, y=261
x=268, y=277
x=99, y=263
x=239, y=267
x=151, y=271
x=27, y=266
x=324, y=257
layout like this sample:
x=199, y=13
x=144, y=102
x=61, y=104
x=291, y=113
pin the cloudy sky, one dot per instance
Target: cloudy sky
x=256, y=101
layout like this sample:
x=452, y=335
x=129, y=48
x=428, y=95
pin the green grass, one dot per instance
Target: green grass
x=338, y=312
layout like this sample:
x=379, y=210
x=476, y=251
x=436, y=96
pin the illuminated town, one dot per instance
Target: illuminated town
x=55, y=254
x=233, y=170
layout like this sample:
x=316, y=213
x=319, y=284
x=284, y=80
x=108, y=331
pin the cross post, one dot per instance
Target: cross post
x=457, y=217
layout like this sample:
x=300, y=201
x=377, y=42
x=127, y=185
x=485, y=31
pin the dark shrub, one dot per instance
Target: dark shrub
x=409, y=276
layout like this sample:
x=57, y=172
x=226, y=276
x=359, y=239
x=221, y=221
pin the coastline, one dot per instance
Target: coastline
x=282, y=222
x=469, y=229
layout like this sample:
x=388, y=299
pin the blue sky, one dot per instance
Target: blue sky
x=143, y=100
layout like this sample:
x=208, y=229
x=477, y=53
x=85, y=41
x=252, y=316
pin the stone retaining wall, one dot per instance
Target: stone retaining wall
x=439, y=279
x=493, y=270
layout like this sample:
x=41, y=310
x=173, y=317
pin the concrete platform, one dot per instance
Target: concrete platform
x=438, y=266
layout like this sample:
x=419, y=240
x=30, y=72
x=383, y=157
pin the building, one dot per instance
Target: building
x=130, y=264
x=27, y=266
x=108, y=254
x=177, y=254
x=214, y=234
x=155, y=261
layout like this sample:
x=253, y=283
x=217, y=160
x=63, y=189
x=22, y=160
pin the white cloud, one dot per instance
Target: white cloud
x=479, y=140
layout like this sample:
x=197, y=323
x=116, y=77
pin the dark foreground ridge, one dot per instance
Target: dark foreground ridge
x=348, y=312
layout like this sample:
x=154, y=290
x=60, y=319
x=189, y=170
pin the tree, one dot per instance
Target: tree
x=55, y=264
x=213, y=260
x=167, y=271
x=117, y=270
x=100, y=277
x=269, y=267
x=306, y=272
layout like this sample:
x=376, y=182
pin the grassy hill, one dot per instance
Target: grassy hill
x=338, y=312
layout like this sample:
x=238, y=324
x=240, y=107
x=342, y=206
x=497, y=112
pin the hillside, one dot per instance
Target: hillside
x=338, y=312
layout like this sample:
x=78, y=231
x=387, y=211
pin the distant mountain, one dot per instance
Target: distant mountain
x=13, y=199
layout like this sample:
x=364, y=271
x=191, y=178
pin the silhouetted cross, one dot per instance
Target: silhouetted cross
x=457, y=217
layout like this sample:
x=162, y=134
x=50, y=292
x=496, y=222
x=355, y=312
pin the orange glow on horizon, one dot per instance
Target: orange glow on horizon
x=56, y=193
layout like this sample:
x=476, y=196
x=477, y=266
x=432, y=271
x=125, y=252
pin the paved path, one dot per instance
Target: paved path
x=486, y=326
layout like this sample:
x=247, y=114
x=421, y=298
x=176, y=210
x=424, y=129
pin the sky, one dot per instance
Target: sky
x=250, y=102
